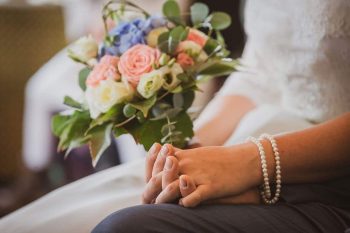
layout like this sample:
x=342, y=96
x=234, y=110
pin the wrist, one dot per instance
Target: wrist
x=254, y=163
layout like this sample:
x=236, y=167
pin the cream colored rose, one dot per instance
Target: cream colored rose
x=105, y=95
x=189, y=47
x=152, y=38
x=151, y=82
x=171, y=80
x=84, y=49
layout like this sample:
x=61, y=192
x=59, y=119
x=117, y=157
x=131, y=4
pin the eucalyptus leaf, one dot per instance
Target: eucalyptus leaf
x=199, y=11
x=99, y=142
x=176, y=35
x=188, y=98
x=169, y=113
x=220, y=20
x=163, y=42
x=69, y=101
x=212, y=46
x=83, y=74
x=171, y=10
x=178, y=100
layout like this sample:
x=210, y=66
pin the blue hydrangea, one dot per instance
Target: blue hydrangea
x=128, y=34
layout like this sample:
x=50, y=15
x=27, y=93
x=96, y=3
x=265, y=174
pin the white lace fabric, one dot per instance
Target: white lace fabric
x=297, y=56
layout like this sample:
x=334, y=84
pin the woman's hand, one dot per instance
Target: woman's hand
x=164, y=185
x=219, y=172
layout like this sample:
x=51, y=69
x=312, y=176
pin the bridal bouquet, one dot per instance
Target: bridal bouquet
x=141, y=80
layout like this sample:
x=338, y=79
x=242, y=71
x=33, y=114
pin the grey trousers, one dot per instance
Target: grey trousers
x=304, y=208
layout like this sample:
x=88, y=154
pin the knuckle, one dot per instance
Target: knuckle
x=153, y=181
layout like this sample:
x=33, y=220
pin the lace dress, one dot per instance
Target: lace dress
x=297, y=56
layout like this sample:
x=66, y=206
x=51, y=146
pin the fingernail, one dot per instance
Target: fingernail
x=168, y=164
x=164, y=151
x=183, y=183
x=153, y=149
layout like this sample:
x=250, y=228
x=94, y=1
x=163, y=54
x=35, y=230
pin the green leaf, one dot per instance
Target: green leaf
x=69, y=101
x=188, y=98
x=199, y=11
x=119, y=131
x=212, y=46
x=113, y=115
x=75, y=144
x=176, y=35
x=178, y=100
x=170, y=113
x=220, y=20
x=171, y=10
x=218, y=67
x=71, y=128
x=145, y=106
x=151, y=131
x=83, y=74
x=99, y=142
x=58, y=123
x=163, y=42
x=129, y=111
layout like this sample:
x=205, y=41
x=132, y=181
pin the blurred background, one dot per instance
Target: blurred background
x=36, y=73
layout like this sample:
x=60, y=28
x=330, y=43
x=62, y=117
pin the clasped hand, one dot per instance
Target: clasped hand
x=204, y=175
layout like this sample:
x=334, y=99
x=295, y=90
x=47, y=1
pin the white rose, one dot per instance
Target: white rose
x=104, y=96
x=171, y=80
x=84, y=49
x=151, y=82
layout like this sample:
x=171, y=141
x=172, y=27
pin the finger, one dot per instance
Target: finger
x=166, y=150
x=153, y=188
x=248, y=197
x=187, y=185
x=170, y=194
x=150, y=159
x=170, y=172
x=195, y=198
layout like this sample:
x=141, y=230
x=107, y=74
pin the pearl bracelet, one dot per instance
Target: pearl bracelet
x=278, y=169
x=266, y=192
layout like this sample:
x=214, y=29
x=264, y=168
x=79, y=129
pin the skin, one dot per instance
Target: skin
x=231, y=174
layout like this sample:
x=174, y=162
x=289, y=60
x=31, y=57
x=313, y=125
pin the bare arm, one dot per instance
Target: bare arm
x=220, y=118
x=316, y=154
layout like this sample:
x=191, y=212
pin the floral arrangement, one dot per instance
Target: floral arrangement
x=142, y=79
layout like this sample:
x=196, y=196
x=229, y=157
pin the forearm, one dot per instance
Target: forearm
x=220, y=118
x=316, y=154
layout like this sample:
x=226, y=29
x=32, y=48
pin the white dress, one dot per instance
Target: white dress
x=296, y=68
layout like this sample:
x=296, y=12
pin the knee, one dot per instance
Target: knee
x=133, y=219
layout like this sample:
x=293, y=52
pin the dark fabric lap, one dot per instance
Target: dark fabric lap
x=304, y=208
x=312, y=217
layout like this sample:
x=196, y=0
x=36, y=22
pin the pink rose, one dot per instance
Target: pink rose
x=184, y=60
x=137, y=61
x=105, y=69
x=198, y=37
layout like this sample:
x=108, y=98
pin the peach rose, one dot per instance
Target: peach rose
x=105, y=69
x=184, y=60
x=138, y=60
x=198, y=37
